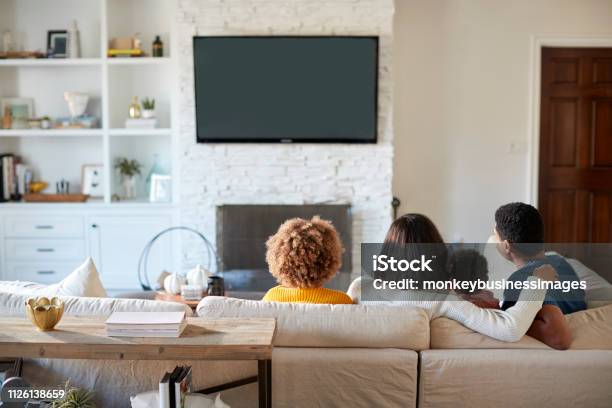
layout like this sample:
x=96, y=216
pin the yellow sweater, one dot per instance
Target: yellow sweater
x=307, y=295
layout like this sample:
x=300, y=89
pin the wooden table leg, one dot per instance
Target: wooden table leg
x=264, y=377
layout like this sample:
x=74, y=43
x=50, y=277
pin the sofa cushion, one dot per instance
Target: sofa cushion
x=83, y=281
x=515, y=378
x=591, y=330
x=13, y=304
x=308, y=325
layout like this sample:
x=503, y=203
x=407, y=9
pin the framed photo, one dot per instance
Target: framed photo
x=161, y=189
x=92, y=180
x=57, y=41
x=21, y=110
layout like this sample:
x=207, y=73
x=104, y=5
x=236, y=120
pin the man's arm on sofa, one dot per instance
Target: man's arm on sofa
x=551, y=328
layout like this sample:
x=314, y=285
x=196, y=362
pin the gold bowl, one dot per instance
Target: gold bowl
x=45, y=313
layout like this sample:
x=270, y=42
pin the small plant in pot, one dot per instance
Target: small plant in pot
x=128, y=170
x=148, y=108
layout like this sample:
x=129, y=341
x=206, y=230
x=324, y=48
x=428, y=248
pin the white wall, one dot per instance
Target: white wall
x=211, y=174
x=462, y=80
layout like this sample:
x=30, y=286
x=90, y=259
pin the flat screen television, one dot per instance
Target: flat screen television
x=286, y=89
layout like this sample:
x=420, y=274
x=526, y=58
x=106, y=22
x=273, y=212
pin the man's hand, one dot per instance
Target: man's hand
x=546, y=272
x=551, y=328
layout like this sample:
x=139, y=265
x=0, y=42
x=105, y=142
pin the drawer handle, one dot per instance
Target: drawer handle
x=44, y=227
x=45, y=272
x=45, y=250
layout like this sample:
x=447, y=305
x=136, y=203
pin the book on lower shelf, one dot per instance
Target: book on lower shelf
x=174, y=386
x=146, y=324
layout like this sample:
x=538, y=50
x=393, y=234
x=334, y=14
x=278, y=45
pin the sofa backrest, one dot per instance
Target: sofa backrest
x=310, y=325
x=591, y=330
x=13, y=304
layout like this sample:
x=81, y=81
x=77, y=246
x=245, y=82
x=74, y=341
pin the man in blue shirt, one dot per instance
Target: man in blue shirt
x=519, y=232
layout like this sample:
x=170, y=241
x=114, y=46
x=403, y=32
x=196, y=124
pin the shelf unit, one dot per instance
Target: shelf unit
x=110, y=82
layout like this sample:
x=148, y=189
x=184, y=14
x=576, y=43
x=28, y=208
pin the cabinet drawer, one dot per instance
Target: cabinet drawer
x=41, y=272
x=43, y=226
x=44, y=249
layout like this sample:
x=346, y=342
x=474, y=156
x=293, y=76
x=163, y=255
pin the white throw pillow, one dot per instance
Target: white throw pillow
x=150, y=399
x=84, y=281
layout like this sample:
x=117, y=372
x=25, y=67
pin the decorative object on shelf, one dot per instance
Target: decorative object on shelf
x=55, y=198
x=92, y=180
x=198, y=276
x=36, y=187
x=7, y=41
x=7, y=119
x=77, y=103
x=137, y=42
x=161, y=188
x=73, y=48
x=45, y=122
x=173, y=283
x=57, y=42
x=34, y=123
x=216, y=286
x=21, y=109
x=125, y=47
x=62, y=187
x=158, y=47
x=134, y=111
x=128, y=170
x=45, y=313
x=143, y=277
x=192, y=292
x=148, y=108
x=156, y=168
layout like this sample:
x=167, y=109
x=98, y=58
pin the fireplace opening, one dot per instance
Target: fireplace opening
x=242, y=232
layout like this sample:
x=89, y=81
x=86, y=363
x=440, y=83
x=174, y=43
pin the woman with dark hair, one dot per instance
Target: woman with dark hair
x=412, y=233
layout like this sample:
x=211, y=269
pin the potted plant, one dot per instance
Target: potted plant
x=148, y=108
x=128, y=170
x=74, y=398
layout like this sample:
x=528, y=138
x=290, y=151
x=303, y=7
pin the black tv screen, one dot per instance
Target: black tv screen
x=286, y=89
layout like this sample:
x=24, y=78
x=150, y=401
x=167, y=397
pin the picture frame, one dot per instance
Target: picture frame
x=161, y=188
x=57, y=43
x=22, y=110
x=92, y=180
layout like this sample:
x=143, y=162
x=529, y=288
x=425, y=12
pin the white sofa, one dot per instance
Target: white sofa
x=344, y=355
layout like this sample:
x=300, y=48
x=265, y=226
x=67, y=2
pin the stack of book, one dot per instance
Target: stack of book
x=146, y=324
x=14, y=178
x=174, y=386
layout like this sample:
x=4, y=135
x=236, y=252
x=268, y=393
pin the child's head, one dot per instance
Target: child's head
x=468, y=265
x=303, y=253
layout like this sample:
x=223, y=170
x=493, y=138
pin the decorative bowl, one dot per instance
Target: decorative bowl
x=45, y=313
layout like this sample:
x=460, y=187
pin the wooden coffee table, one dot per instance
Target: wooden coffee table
x=203, y=339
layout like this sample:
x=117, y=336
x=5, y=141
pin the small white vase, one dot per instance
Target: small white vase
x=129, y=187
x=148, y=113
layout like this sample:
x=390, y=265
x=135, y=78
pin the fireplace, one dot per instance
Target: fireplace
x=242, y=231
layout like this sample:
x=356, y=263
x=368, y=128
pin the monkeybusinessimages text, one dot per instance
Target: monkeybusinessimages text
x=384, y=263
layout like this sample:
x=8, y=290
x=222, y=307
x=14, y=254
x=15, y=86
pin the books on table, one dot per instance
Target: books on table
x=146, y=324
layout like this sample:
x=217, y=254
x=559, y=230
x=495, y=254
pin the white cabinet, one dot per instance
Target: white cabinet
x=116, y=243
x=45, y=246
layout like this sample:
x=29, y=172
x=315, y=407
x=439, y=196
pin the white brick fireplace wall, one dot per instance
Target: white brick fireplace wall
x=214, y=174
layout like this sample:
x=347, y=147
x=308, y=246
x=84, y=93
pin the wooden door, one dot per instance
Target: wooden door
x=575, y=180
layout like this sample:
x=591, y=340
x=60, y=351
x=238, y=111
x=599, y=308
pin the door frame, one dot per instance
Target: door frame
x=533, y=119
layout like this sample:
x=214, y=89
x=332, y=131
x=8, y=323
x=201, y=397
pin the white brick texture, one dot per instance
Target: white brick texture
x=215, y=174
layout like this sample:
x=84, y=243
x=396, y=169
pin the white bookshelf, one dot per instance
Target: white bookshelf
x=110, y=82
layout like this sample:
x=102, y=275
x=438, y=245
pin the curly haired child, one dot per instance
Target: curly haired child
x=302, y=256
